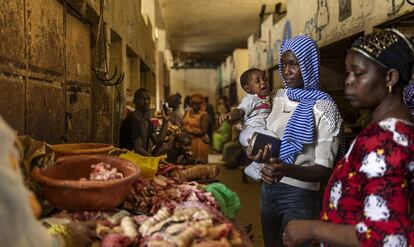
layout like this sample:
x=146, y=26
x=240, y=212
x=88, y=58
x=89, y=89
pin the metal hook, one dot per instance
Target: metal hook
x=102, y=76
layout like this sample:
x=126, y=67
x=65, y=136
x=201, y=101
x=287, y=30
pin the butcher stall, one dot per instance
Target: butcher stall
x=133, y=201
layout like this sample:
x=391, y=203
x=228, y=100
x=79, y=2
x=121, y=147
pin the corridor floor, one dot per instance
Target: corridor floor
x=249, y=197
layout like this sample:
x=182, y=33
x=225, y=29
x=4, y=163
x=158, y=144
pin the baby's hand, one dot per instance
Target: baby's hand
x=224, y=117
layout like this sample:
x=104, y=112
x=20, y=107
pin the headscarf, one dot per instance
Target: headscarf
x=300, y=127
x=388, y=48
x=198, y=98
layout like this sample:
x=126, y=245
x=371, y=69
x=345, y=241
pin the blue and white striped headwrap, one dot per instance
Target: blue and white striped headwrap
x=300, y=127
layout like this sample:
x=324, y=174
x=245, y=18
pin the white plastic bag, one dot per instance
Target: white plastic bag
x=253, y=171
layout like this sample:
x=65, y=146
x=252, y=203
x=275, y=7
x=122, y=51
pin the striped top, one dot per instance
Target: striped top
x=301, y=125
x=323, y=150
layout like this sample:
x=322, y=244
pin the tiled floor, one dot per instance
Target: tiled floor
x=249, y=196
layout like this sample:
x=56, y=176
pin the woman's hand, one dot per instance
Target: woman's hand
x=298, y=232
x=83, y=233
x=262, y=154
x=273, y=171
x=189, y=131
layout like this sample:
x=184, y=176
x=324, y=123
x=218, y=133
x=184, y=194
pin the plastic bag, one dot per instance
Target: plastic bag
x=228, y=200
x=147, y=164
x=253, y=171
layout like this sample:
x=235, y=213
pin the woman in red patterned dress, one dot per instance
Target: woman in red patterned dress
x=368, y=197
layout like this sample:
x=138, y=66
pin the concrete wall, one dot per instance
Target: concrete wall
x=333, y=24
x=230, y=71
x=34, y=62
x=48, y=52
x=322, y=20
x=190, y=81
x=241, y=64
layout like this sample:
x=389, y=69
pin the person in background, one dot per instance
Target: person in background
x=211, y=118
x=18, y=224
x=174, y=102
x=180, y=153
x=187, y=103
x=308, y=123
x=368, y=200
x=137, y=133
x=221, y=136
x=233, y=150
x=222, y=107
x=195, y=123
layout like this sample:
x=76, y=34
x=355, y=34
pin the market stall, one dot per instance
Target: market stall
x=167, y=207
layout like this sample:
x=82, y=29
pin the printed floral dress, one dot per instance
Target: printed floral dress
x=372, y=186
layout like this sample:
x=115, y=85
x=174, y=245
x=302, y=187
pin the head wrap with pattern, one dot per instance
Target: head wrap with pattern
x=388, y=48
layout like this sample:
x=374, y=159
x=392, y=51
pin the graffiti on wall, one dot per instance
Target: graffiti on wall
x=274, y=48
x=394, y=7
x=345, y=9
x=287, y=34
x=269, y=52
x=314, y=26
x=287, y=31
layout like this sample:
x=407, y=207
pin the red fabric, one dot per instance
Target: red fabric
x=371, y=187
x=155, y=122
x=262, y=106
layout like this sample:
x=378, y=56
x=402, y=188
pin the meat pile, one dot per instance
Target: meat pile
x=189, y=172
x=118, y=229
x=149, y=195
x=190, y=224
x=103, y=172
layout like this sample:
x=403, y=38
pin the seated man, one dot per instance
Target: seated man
x=180, y=153
x=137, y=133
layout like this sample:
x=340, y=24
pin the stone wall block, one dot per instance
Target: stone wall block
x=78, y=105
x=12, y=102
x=78, y=51
x=12, y=33
x=45, y=111
x=46, y=36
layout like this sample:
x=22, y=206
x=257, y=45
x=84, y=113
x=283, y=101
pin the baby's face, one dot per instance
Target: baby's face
x=258, y=84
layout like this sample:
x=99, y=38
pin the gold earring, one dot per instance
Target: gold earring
x=390, y=88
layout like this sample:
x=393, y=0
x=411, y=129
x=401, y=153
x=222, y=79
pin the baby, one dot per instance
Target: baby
x=253, y=110
x=255, y=106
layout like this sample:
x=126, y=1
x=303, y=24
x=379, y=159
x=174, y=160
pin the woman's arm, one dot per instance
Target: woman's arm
x=325, y=152
x=276, y=170
x=300, y=231
x=203, y=127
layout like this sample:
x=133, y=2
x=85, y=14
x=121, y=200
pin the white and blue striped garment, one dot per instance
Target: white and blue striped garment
x=300, y=127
